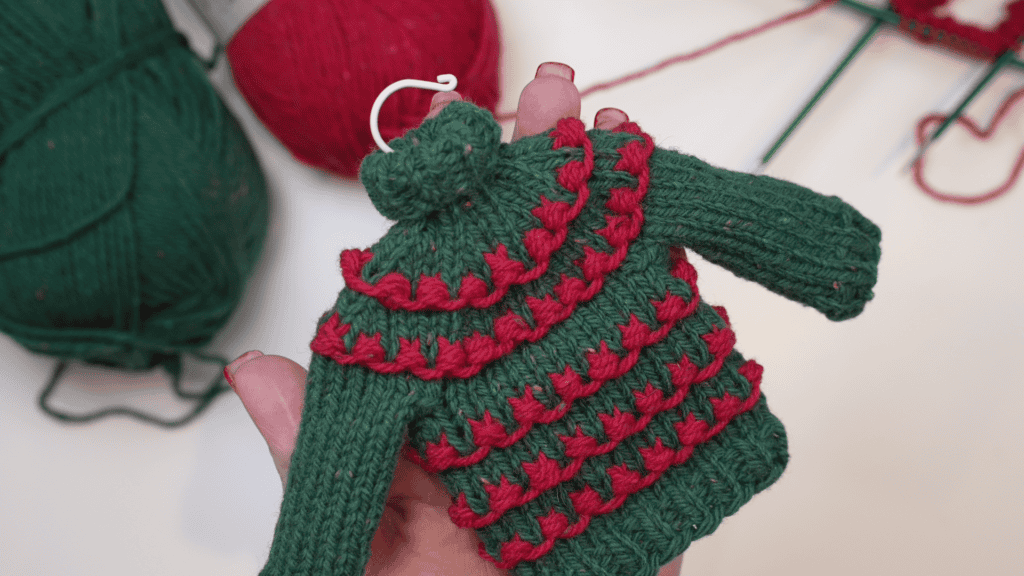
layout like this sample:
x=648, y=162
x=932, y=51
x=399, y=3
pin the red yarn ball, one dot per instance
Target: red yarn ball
x=312, y=69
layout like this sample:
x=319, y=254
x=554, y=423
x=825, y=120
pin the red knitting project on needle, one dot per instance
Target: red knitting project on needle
x=932, y=27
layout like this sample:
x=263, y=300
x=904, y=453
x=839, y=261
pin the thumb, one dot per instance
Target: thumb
x=272, y=389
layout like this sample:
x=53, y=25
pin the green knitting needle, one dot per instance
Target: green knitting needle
x=857, y=47
x=884, y=14
x=1008, y=57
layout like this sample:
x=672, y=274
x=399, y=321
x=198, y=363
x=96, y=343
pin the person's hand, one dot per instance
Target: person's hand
x=415, y=535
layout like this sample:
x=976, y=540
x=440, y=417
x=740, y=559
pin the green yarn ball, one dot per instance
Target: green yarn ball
x=132, y=208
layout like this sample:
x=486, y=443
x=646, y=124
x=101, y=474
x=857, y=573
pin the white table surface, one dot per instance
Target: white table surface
x=904, y=424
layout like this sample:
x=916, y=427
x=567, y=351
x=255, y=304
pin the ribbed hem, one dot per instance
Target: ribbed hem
x=687, y=503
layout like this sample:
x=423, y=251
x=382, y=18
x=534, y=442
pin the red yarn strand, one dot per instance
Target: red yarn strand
x=688, y=56
x=928, y=28
x=924, y=129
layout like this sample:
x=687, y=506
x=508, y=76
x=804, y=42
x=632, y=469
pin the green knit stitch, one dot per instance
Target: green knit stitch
x=613, y=362
x=132, y=208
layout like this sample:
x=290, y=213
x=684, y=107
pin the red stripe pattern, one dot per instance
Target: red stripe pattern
x=605, y=365
x=394, y=290
x=546, y=473
x=466, y=357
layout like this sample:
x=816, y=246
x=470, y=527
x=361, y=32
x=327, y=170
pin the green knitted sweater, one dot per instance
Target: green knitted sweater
x=533, y=330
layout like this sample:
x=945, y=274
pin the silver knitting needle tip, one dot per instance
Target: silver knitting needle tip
x=917, y=157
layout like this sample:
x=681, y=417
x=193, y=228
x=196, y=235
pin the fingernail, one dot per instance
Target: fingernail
x=556, y=69
x=608, y=118
x=440, y=100
x=444, y=98
x=230, y=369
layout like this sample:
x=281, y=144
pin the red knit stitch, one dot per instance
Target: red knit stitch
x=527, y=410
x=394, y=290
x=465, y=358
x=587, y=502
x=720, y=310
x=545, y=473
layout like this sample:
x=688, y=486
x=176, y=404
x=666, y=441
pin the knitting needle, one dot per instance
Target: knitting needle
x=857, y=47
x=1008, y=57
x=216, y=34
x=884, y=14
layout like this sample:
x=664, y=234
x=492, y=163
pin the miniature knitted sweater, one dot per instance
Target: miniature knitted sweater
x=532, y=331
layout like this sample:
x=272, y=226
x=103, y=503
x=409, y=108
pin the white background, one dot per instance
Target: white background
x=905, y=424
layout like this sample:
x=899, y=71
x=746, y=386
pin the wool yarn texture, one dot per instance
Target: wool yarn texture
x=132, y=208
x=932, y=26
x=531, y=326
x=311, y=70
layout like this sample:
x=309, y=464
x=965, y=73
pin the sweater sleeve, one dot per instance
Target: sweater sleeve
x=810, y=248
x=352, y=430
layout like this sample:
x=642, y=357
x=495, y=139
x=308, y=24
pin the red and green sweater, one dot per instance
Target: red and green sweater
x=531, y=331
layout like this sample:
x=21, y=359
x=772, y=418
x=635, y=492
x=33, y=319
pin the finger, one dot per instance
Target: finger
x=547, y=99
x=609, y=118
x=272, y=389
x=416, y=524
x=440, y=100
x=673, y=568
x=413, y=483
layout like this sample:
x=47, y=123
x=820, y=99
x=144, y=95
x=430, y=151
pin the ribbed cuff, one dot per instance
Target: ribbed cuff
x=687, y=503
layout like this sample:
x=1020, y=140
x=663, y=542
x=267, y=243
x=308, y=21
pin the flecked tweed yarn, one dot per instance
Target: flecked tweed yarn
x=132, y=208
x=312, y=69
x=533, y=330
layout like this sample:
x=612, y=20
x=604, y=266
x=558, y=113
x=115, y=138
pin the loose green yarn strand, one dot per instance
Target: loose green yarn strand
x=132, y=208
x=173, y=366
